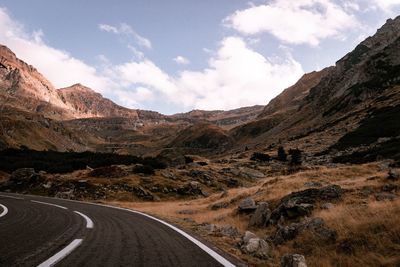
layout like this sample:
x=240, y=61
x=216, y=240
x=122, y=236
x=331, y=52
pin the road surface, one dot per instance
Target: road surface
x=39, y=231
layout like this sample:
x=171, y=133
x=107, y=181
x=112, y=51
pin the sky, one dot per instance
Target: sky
x=178, y=55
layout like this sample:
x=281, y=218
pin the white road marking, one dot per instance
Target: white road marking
x=58, y=206
x=204, y=247
x=89, y=222
x=5, y=210
x=62, y=254
x=11, y=197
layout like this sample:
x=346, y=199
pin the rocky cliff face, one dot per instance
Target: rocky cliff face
x=314, y=114
x=290, y=99
x=23, y=87
x=322, y=107
x=83, y=102
x=37, y=115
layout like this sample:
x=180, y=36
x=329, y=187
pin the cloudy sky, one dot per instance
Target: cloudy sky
x=177, y=55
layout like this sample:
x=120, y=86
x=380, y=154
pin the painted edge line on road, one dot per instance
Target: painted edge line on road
x=5, y=210
x=12, y=197
x=89, y=222
x=45, y=203
x=204, y=247
x=61, y=254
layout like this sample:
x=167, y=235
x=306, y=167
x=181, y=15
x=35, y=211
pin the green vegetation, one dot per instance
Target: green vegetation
x=64, y=162
x=260, y=157
x=296, y=157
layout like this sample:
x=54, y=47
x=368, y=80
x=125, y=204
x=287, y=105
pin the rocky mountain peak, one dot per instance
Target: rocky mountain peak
x=385, y=35
x=79, y=88
x=84, y=102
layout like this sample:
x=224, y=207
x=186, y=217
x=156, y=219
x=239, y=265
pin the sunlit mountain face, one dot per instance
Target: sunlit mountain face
x=200, y=134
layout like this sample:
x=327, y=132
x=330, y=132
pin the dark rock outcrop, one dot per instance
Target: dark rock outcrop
x=261, y=216
x=293, y=260
x=315, y=226
x=301, y=203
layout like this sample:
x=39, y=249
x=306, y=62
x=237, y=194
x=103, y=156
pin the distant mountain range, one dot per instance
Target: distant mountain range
x=326, y=112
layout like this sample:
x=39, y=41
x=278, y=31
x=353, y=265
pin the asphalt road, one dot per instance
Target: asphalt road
x=38, y=231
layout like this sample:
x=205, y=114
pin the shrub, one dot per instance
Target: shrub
x=188, y=159
x=145, y=169
x=260, y=157
x=295, y=156
x=64, y=162
x=282, y=156
x=108, y=172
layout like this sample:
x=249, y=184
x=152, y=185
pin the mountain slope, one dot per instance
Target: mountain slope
x=335, y=103
x=86, y=103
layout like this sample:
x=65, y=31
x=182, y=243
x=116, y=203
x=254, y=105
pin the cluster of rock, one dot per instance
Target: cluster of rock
x=292, y=206
x=291, y=218
x=387, y=192
x=28, y=180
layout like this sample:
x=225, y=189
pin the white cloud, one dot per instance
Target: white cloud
x=57, y=65
x=236, y=76
x=295, y=22
x=386, y=5
x=108, y=28
x=138, y=54
x=127, y=30
x=181, y=60
x=134, y=98
x=145, y=73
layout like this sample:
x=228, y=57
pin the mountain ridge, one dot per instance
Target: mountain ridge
x=313, y=114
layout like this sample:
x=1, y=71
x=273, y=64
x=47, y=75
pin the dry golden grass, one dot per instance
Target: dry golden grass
x=200, y=207
x=368, y=234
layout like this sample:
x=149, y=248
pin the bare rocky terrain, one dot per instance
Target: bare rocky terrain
x=310, y=179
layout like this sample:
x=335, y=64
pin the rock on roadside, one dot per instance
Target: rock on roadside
x=293, y=260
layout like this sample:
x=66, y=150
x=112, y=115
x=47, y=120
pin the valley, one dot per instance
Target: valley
x=313, y=176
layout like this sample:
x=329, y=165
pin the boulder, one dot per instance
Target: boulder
x=301, y=203
x=144, y=194
x=65, y=194
x=219, y=205
x=247, y=205
x=315, y=226
x=230, y=231
x=293, y=260
x=208, y=227
x=168, y=174
x=261, y=216
x=247, y=236
x=24, y=175
x=191, y=188
x=253, y=245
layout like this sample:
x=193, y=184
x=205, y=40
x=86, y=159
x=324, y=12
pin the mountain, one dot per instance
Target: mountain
x=324, y=107
x=325, y=111
x=86, y=103
x=36, y=115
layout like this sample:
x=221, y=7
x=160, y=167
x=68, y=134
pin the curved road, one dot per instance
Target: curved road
x=39, y=231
